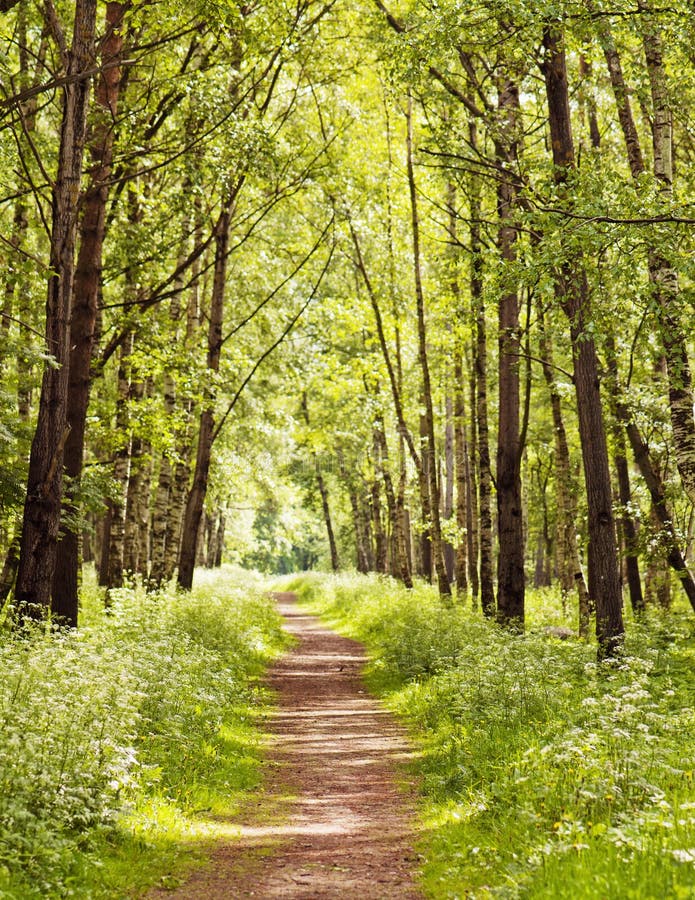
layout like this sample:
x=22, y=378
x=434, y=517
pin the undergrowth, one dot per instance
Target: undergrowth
x=117, y=739
x=544, y=774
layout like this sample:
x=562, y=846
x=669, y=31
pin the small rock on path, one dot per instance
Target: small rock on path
x=331, y=821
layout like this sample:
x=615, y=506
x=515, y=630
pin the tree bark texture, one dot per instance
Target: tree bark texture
x=510, y=559
x=84, y=304
x=41, y=520
x=604, y=573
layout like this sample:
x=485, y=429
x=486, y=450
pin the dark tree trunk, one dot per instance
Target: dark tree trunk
x=510, y=560
x=604, y=573
x=84, y=307
x=45, y=482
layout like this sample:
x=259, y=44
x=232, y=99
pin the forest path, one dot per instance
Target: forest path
x=331, y=820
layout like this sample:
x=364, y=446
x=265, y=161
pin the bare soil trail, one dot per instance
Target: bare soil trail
x=332, y=821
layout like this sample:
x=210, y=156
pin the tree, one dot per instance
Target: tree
x=42, y=507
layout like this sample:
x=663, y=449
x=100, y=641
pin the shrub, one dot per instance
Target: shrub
x=546, y=775
x=132, y=706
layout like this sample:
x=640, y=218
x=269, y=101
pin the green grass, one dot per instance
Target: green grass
x=543, y=774
x=124, y=746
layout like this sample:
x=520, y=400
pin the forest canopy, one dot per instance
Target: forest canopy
x=404, y=286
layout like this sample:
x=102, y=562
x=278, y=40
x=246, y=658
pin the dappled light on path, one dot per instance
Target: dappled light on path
x=332, y=820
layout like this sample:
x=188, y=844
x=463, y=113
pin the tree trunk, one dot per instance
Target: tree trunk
x=323, y=491
x=395, y=381
x=458, y=424
x=121, y=469
x=45, y=482
x=211, y=549
x=84, y=307
x=219, y=539
x=463, y=488
x=164, y=495
x=510, y=560
x=360, y=548
x=661, y=510
x=381, y=543
x=182, y=469
x=487, y=589
x=472, y=507
x=104, y=542
x=201, y=540
x=481, y=486
x=429, y=450
x=604, y=574
x=567, y=551
x=449, y=463
x=400, y=565
x=426, y=556
x=136, y=477
x=662, y=275
x=9, y=570
x=162, y=507
x=625, y=519
x=196, y=497
x=20, y=225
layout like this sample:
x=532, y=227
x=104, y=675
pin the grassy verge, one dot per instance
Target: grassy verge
x=123, y=745
x=544, y=775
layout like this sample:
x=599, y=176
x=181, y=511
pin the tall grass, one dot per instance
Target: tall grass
x=114, y=735
x=544, y=774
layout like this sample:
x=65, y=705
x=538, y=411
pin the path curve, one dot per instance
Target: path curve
x=332, y=821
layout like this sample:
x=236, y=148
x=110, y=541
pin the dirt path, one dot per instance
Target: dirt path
x=332, y=821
